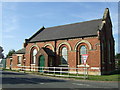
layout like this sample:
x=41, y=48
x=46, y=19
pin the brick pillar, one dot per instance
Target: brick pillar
x=72, y=60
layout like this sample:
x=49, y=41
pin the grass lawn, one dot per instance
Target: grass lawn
x=115, y=77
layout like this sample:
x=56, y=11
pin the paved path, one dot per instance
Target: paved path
x=21, y=80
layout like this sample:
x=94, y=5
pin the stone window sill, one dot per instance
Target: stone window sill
x=64, y=65
x=32, y=64
x=95, y=68
x=19, y=64
x=82, y=65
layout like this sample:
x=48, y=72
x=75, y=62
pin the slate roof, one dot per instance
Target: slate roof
x=75, y=30
x=9, y=57
x=20, y=51
x=48, y=51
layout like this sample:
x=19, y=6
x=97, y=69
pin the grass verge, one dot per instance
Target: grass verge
x=114, y=77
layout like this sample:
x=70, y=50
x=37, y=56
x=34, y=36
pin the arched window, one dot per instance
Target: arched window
x=83, y=50
x=64, y=56
x=34, y=56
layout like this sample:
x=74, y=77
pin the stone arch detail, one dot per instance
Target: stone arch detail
x=83, y=41
x=34, y=46
x=49, y=45
x=70, y=48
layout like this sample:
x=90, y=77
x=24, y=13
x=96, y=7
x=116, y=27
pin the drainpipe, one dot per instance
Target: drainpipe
x=55, y=52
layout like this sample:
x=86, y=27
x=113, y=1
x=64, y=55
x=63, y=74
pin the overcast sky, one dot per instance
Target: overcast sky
x=20, y=20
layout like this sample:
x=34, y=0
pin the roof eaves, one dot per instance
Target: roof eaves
x=40, y=30
x=75, y=23
x=65, y=38
x=20, y=51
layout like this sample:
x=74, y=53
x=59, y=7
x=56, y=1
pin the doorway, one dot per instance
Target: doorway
x=41, y=63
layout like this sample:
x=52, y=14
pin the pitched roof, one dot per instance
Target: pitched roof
x=48, y=51
x=81, y=29
x=20, y=51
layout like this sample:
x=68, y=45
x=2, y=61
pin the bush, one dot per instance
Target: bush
x=115, y=72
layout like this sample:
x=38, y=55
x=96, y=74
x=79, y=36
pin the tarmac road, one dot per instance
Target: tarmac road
x=22, y=80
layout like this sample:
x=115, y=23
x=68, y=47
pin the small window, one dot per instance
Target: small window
x=19, y=59
x=34, y=56
x=83, y=50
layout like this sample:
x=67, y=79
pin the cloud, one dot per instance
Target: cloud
x=10, y=21
x=11, y=7
x=9, y=36
x=114, y=19
x=10, y=24
x=85, y=16
x=10, y=29
x=44, y=15
x=10, y=18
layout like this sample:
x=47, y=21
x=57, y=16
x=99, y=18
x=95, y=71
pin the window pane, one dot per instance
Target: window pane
x=34, y=52
x=64, y=56
x=64, y=51
x=81, y=61
x=19, y=59
x=83, y=50
x=34, y=55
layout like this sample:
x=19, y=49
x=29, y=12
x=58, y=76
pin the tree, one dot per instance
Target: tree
x=117, y=56
x=10, y=53
x=1, y=54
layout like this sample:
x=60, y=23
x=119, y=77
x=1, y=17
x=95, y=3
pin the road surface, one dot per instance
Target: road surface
x=22, y=80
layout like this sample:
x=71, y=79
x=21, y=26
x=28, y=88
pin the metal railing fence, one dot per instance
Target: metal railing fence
x=58, y=71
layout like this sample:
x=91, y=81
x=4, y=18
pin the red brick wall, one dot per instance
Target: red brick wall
x=14, y=61
x=94, y=53
x=106, y=36
x=8, y=63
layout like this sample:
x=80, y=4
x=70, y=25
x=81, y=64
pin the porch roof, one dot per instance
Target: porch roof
x=20, y=51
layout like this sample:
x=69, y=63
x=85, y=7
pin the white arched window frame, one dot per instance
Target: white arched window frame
x=83, y=50
x=64, y=56
x=34, y=56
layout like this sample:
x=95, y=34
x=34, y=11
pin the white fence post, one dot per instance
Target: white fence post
x=84, y=73
x=54, y=71
x=68, y=72
x=77, y=71
x=61, y=71
x=42, y=69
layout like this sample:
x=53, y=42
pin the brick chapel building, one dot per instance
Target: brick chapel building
x=63, y=46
